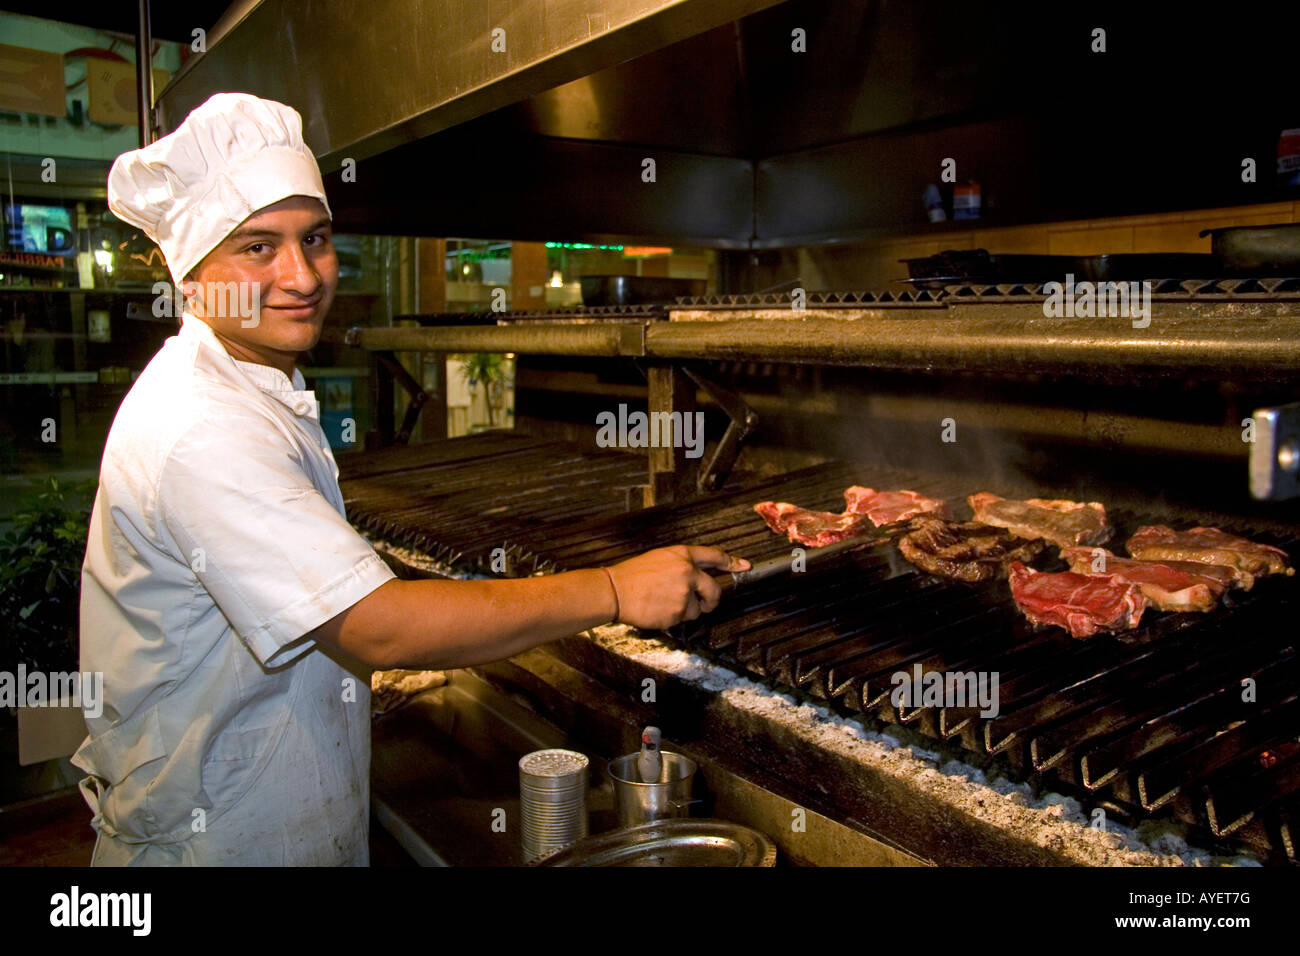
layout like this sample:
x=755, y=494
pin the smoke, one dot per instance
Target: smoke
x=956, y=435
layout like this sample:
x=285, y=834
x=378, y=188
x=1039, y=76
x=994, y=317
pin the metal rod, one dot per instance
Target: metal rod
x=783, y=564
x=144, y=72
x=535, y=338
x=999, y=339
x=1183, y=339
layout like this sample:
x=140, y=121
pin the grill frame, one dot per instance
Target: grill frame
x=1070, y=723
x=830, y=640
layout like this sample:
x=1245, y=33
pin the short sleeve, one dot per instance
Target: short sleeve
x=270, y=549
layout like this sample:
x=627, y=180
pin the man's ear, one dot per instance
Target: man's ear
x=189, y=286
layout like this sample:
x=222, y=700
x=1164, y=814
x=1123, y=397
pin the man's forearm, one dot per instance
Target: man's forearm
x=445, y=624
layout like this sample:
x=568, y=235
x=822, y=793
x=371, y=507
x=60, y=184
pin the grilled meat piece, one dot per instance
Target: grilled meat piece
x=1064, y=523
x=1083, y=604
x=964, y=550
x=1246, y=559
x=815, y=529
x=865, y=509
x=888, y=507
x=1168, y=585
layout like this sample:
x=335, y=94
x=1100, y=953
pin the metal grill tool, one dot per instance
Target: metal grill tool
x=801, y=559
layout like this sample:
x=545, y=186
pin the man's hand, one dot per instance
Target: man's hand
x=661, y=588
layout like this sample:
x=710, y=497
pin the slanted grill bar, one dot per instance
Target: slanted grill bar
x=1239, y=744
x=1233, y=799
x=458, y=504
x=1101, y=760
x=1051, y=744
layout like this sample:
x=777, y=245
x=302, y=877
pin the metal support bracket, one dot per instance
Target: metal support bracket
x=741, y=421
x=388, y=361
x=1275, y=453
x=672, y=390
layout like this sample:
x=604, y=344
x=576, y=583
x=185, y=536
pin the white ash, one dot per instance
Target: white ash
x=411, y=558
x=393, y=689
x=1049, y=819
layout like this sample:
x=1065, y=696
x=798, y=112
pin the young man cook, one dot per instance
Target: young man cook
x=234, y=612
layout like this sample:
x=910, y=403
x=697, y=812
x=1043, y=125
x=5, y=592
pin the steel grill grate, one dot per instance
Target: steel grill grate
x=1244, y=289
x=459, y=500
x=1151, y=722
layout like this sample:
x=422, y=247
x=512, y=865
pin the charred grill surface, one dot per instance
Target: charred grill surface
x=1191, y=716
x=458, y=501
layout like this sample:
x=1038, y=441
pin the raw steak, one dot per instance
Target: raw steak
x=1083, y=604
x=815, y=529
x=1246, y=559
x=1169, y=586
x=887, y=507
x=1064, y=523
x=865, y=509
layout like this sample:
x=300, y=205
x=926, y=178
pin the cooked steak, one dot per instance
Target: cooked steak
x=1064, y=523
x=887, y=507
x=964, y=550
x=1246, y=559
x=815, y=529
x=1170, y=586
x=1083, y=604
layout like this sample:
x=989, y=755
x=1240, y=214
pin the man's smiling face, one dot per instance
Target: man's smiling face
x=283, y=257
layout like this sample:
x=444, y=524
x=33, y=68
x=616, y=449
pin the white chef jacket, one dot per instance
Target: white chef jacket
x=217, y=541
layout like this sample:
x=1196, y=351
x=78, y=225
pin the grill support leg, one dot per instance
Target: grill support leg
x=671, y=472
x=387, y=370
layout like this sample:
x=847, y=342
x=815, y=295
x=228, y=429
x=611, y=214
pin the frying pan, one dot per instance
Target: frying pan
x=979, y=266
x=1137, y=266
x=636, y=290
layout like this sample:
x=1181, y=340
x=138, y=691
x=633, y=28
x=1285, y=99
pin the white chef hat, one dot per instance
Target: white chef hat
x=231, y=156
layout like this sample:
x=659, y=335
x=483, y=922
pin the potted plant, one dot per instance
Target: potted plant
x=40, y=577
x=486, y=369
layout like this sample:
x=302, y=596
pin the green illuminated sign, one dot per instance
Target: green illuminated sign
x=581, y=245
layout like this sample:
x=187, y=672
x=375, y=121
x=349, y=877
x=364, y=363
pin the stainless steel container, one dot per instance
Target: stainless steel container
x=552, y=800
x=669, y=796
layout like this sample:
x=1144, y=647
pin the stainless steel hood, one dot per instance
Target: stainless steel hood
x=770, y=124
x=369, y=75
x=547, y=140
